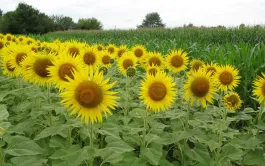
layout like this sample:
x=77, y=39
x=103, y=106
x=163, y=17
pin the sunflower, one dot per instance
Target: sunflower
x=158, y=92
x=211, y=68
x=73, y=48
x=259, y=88
x=1, y=36
x=200, y=87
x=196, y=64
x=35, y=68
x=232, y=101
x=8, y=70
x=139, y=51
x=90, y=57
x=177, y=60
x=126, y=61
x=154, y=58
x=8, y=37
x=21, y=38
x=152, y=70
x=105, y=57
x=227, y=77
x=89, y=96
x=111, y=48
x=121, y=50
x=100, y=47
x=63, y=66
x=2, y=45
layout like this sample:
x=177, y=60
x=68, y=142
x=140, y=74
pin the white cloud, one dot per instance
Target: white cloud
x=129, y=13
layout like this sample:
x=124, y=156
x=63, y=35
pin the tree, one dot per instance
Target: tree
x=1, y=13
x=89, y=24
x=9, y=23
x=152, y=20
x=62, y=22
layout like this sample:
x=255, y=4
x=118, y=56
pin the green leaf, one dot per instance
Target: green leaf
x=110, y=155
x=22, y=146
x=29, y=160
x=255, y=157
x=232, y=152
x=58, y=141
x=51, y=131
x=199, y=153
x=165, y=163
x=153, y=154
x=3, y=112
x=118, y=145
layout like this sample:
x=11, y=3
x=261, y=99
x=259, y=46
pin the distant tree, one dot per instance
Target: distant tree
x=152, y=20
x=242, y=26
x=9, y=23
x=89, y=24
x=1, y=13
x=62, y=22
x=190, y=25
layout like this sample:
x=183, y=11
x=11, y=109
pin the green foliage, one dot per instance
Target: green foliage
x=89, y=24
x=1, y=13
x=152, y=20
x=62, y=22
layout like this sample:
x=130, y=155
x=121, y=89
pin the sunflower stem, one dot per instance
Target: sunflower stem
x=91, y=142
x=126, y=96
x=186, y=129
x=145, y=127
x=49, y=101
x=260, y=112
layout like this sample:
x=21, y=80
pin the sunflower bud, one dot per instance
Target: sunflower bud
x=104, y=70
x=130, y=71
x=111, y=61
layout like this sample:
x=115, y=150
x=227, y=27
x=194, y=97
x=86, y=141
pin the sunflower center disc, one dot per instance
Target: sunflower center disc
x=152, y=71
x=29, y=42
x=99, y=48
x=111, y=50
x=9, y=67
x=138, y=53
x=157, y=91
x=211, y=69
x=40, y=67
x=88, y=94
x=120, y=52
x=20, y=57
x=177, y=61
x=73, y=51
x=66, y=70
x=127, y=63
x=200, y=87
x=1, y=45
x=89, y=58
x=196, y=66
x=34, y=49
x=263, y=89
x=226, y=78
x=21, y=39
x=232, y=100
x=8, y=38
x=154, y=61
x=106, y=59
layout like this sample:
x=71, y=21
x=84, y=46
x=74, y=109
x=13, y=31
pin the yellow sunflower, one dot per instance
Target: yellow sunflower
x=259, y=88
x=35, y=68
x=158, y=92
x=152, y=70
x=105, y=58
x=139, y=51
x=1, y=36
x=21, y=38
x=8, y=70
x=227, y=77
x=177, y=60
x=100, y=47
x=126, y=61
x=196, y=64
x=212, y=67
x=64, y=66
x=89, y=96
x=73, y=48
x=90, y=57
x=2, y=45
x=154, y=58
x=111, y=48
x=200, y=87
x=8, y=37
x=121, y=50
x=232, y=101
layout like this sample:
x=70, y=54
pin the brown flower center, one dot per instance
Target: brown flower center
x=89, y=58
x=40, y=67
x=127, y=63
x=88, y=94
x=196, y=65
x=106, y=59
x=152, y=71
x=20, y=57
x=138, y=53
x=177, y=61
x=111, y=50
x=73, y=51
x=34, y=49
x=211, y=69
x=155, y=61
x=263, y=89
x=120, y=52
x=1, y=45
x=29, y=42
x=8, y=38
x=66, y=70
x=232, y=100
x=226, y=78
x=200, y=87
x=21, y=39
x=157, y=91
x=100, y=48
x=9, y=66
x=14, y=40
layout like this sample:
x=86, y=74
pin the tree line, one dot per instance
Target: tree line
x=25, y=19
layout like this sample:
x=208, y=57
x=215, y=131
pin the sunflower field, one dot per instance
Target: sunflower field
x=136, y=98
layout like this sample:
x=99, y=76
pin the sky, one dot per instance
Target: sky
x=127, y=14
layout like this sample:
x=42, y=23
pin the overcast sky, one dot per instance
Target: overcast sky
x=125, y=14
